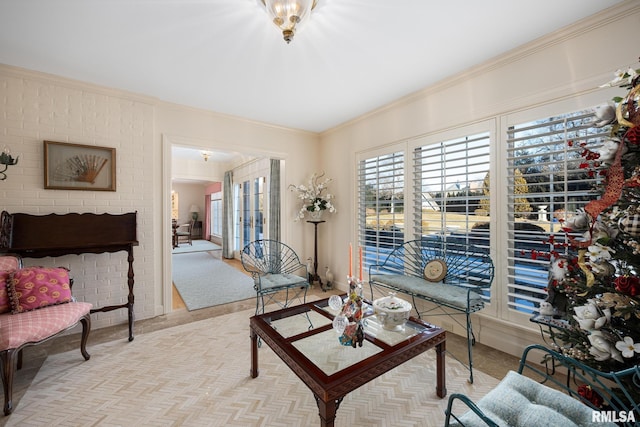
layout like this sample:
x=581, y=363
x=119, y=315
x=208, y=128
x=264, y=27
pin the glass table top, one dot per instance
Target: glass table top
x=312, y=334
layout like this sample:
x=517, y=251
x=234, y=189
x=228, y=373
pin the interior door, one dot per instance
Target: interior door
x=250, y=218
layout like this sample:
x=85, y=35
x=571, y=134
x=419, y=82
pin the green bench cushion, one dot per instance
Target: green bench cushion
x=451, y=295
x=519, y=401
x=272, y=282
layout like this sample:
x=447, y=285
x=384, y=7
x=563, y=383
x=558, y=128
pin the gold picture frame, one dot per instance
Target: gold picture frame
x=79, y=167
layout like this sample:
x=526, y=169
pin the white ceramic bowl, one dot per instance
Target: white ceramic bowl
x=392, y=312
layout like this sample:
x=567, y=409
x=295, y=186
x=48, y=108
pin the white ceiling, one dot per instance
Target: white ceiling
x=354, y=56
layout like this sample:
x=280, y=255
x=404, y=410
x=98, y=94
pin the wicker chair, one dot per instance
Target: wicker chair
x=273, y=265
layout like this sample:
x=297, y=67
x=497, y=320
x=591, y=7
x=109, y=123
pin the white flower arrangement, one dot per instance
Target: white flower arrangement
x=314, y=196
x=623, y=78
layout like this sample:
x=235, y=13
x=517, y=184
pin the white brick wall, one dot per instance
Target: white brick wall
x=33, y=109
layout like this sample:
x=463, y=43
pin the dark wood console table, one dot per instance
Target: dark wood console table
x=39, y=236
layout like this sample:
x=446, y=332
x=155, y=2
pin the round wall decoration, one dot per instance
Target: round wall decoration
x=435, y=270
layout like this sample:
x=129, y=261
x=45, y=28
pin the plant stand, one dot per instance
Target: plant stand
x=315, y=277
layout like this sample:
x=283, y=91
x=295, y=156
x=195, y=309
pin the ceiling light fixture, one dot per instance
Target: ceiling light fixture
x=205, y=155
x=289, y=15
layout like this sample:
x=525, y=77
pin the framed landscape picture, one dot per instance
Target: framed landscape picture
x=79, y=167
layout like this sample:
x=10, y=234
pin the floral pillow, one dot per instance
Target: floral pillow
x=31, y=288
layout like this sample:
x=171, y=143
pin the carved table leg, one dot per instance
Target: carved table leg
x=254, y=354
x=131, y=297
x=327, y=411
x=441, y=388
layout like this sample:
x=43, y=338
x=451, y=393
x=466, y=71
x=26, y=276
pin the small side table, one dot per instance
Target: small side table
x=551, y=325
x=196, y=230
x=315, y=277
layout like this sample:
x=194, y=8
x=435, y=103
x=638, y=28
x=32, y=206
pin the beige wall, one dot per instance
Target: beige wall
x=34, y=107
x=188, y=195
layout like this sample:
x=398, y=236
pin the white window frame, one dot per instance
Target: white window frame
x=497, y=127
x=486, y=126
x=559, y=108
x=379, y=254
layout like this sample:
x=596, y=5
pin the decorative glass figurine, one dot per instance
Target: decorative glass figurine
x=348, y=324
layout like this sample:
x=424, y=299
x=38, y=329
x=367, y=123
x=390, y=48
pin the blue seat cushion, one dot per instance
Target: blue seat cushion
x=519, y=401
x=451, y=295
x=274, y=282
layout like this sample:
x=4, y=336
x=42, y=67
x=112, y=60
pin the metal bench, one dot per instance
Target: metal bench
x=452, y=274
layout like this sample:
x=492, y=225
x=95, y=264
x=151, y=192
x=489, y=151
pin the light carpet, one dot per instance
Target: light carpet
x=196, y=246
x=204, y=281
x=197, y=374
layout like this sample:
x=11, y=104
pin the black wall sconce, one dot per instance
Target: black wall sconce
x=6, y=160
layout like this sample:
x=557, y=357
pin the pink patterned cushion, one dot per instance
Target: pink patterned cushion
x=36, y=287
x=4, y=296
x=8, y=264
x=34, y=326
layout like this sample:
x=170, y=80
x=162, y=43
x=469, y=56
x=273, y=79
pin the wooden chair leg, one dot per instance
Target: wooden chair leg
x=86, y=329
x=7, y=366
x=10, y=360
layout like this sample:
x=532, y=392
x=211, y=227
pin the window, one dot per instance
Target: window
x=381, y=205
x=216, y=214
x=251, y=195
x=506, y=191
x=237, y=217
x=451, y=189
x=546, y=185
x=258, y=207
x=451, y=185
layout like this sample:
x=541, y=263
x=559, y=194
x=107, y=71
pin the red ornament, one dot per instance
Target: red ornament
x=590, y=395
x=633, y=135
x=628, y=285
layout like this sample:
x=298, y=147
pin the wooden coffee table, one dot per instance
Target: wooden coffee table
x=304, y=338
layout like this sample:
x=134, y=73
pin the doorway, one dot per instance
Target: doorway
x=250, y=209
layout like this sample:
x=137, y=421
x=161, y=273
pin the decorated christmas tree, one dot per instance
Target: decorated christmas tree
x=594, y=279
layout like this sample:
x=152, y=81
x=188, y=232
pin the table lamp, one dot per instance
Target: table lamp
x=194, y=209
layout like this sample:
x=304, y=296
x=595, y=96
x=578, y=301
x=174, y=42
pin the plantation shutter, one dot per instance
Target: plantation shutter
x=451, y=185
x=451, y=190
x=548, y=182
x=380, y=205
